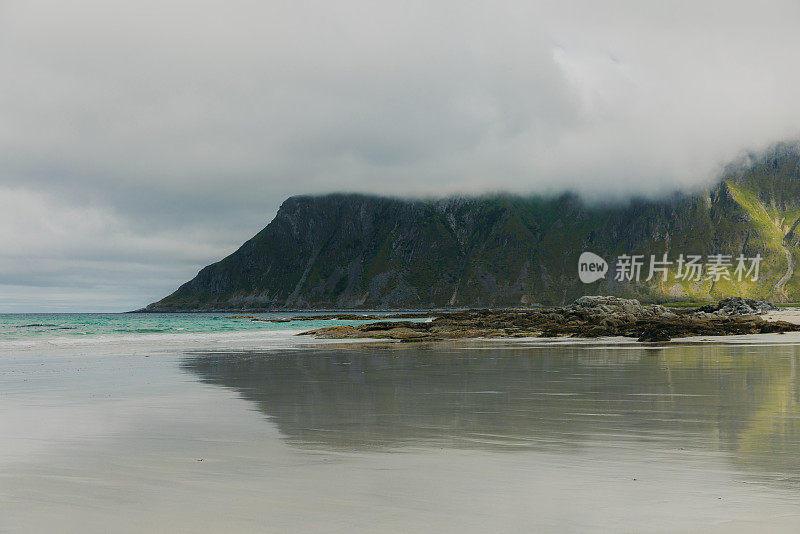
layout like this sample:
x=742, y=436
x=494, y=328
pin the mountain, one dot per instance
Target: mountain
x=355, y=251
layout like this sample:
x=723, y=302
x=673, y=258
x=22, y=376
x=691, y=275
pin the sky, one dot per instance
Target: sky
x=141, y=140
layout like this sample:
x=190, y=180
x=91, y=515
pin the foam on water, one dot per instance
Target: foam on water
x=137, y=332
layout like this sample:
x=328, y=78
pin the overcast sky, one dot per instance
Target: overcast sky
x=141, y=140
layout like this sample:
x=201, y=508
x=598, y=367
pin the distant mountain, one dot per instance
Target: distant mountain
x=355, y=251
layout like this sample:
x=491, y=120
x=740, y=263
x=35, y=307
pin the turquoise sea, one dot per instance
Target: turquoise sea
x=51, y=331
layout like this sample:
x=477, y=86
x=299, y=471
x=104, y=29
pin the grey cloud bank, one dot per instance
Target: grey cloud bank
x=142, y=140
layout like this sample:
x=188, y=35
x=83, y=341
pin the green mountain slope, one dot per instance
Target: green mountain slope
x=357, y=251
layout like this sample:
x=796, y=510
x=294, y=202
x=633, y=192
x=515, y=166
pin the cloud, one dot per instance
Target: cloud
x=54, y=255
x=171, y=130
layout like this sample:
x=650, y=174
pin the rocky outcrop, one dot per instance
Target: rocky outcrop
x=587, y=317
x=739, y=306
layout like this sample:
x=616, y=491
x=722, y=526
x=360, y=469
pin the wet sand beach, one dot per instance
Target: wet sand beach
x=443, y=437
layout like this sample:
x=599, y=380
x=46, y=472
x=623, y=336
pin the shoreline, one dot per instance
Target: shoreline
x=290, y=341
x=597, y=324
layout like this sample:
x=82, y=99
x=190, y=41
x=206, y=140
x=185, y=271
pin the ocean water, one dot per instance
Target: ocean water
x=117, y=331
x=146, y=423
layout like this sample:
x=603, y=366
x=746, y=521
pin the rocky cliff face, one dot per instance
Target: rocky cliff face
x=355, y=251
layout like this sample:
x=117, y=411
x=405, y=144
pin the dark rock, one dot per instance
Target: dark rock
x=653, y=334
x=732, y=306
x=588, y=317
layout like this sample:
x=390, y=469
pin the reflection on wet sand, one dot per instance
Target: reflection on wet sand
x=739, y=400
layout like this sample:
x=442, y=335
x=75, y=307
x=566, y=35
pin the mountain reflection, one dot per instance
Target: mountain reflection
x=741, y=400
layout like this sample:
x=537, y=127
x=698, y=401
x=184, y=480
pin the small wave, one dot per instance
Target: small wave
x=142, y=330
x=36, y=325
x=159, y=342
